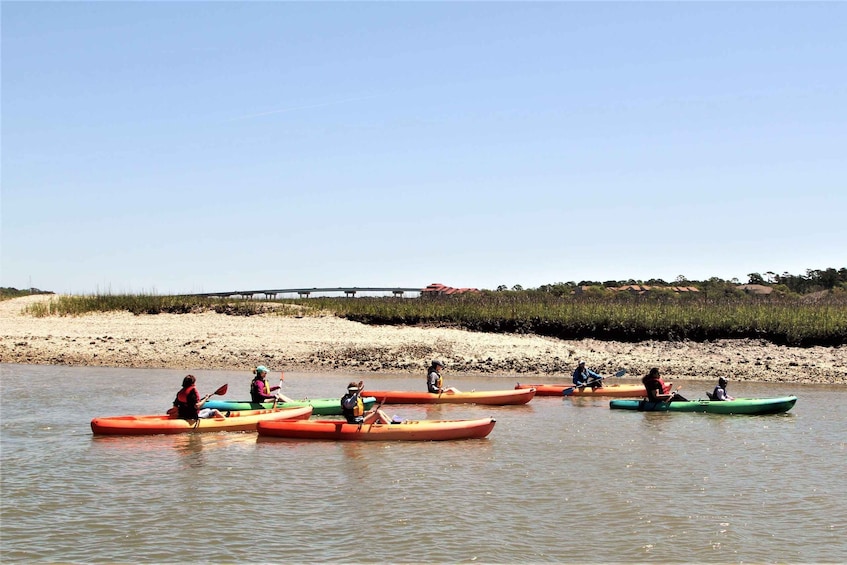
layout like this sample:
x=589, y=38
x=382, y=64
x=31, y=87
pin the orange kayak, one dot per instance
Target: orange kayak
x=490, y=397
x=243, y=421
x=413, y=430
x=620, y=391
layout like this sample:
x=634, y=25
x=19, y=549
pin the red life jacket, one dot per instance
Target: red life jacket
x=187, y=409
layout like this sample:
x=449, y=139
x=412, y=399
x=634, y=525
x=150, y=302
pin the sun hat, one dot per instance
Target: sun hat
x=261, y=369
x=438, y=363
x=352, y=386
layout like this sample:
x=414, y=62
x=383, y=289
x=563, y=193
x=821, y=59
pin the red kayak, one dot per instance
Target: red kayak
x=243, y=421
x=414, y=430
x=490, y=397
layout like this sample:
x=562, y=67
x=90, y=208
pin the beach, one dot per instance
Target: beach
x=323, y=342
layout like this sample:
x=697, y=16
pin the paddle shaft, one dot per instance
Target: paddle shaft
x=568, y=391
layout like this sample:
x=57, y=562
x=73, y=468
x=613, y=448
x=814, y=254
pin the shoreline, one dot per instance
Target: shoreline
x=325, y=343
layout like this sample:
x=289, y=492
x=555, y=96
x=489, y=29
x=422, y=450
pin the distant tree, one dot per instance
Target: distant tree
x=755, y=278
x=502, y=287
x=681, y=279
x=517, y=287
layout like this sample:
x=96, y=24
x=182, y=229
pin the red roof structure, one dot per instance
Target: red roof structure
x=438, y=289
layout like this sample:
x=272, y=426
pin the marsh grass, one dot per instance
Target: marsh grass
x=72, y=305
x=781, y=320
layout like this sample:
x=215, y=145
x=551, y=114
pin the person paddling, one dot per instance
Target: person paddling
x=657, y=390
x=353, y=407
x=583, y=376
x=434, y=380
x=188, y=404
x=261, y=391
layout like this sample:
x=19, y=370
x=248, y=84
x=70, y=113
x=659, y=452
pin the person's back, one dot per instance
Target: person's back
x=653, y=385
x=186, y=399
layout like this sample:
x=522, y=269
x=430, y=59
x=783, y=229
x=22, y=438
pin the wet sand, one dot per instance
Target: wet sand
x=326, y=343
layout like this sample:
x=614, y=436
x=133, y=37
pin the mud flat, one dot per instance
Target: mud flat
x=326, y=343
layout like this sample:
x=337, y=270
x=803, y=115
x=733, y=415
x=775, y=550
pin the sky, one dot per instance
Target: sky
x=159, y=147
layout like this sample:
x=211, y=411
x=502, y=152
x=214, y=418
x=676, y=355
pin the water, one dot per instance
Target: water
x=558, y=480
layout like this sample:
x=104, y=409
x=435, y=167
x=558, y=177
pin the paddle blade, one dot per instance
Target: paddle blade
x=568, y=391
x=620, y=373
x=221, y=391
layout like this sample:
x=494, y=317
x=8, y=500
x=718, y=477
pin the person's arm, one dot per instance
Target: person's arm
x=192, y=397
x=594, y=375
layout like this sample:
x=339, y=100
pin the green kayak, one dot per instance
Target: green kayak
x=737, y=406
x=320, y=406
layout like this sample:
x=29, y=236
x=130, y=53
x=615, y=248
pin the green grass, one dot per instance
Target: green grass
x=781, y=320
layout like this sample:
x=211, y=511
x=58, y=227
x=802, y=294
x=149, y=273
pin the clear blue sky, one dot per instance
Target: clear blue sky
x=203, y=147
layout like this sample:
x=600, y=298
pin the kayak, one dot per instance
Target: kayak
x=320, y=406
x=243, y=421
x=490, y=397
x=608, y=390
x=413, y=430
x=737, y=406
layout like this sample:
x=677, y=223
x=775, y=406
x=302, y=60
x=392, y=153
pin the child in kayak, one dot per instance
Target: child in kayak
x=720, y=391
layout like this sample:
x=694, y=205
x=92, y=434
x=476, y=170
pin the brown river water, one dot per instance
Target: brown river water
x=557, y=481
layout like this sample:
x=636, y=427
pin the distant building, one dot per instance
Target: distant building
x=438, y=289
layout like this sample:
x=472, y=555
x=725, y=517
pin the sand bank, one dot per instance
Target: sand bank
x=327, y=343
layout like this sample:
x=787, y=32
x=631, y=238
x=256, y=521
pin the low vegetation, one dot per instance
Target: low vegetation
x=717, y=309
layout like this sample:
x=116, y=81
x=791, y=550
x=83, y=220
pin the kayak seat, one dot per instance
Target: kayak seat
x=710, y=395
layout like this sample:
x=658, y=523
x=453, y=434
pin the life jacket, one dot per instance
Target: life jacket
x=651, y=384
x=256, y=393
x=185, y=408
x=438, y=381
x=358, y=409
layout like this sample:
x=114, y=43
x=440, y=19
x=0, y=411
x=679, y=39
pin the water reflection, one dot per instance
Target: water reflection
x=190, y=448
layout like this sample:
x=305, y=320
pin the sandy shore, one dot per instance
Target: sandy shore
x=326, y=343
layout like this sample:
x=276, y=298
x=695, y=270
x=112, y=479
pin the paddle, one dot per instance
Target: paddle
x=569, y=391
x=220, y=392
x=279, y=388
x=672, y=394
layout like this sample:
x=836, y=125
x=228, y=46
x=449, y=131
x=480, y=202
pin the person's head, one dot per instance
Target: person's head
x=654, y=373
x=188, y=381
x=581, y=364
x=722, y=382
x=352, y=387
x=437, y=364
x=261, y=371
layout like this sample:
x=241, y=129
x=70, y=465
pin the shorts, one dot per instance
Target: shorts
x=205, y=413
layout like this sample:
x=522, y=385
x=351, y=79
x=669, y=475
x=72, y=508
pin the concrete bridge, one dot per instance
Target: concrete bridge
x=350, y=292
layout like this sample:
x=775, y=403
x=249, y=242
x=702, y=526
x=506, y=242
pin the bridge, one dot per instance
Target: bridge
x=350, y=292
